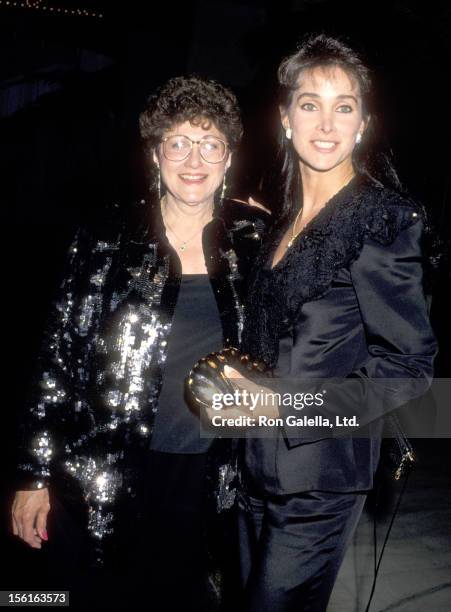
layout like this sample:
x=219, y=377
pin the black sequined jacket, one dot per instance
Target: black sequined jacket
x=100, y=368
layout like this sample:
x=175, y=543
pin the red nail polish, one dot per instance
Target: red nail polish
x=45, y=536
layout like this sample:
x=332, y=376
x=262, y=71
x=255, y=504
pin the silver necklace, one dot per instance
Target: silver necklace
x=183, y=243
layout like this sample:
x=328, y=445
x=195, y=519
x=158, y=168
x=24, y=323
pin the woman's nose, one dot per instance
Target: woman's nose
x=194, y=159
x=326, y=123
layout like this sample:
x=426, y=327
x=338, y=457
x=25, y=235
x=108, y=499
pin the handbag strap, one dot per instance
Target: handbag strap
x=377, y=562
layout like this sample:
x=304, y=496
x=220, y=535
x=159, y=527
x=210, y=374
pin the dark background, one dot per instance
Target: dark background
x=71, y=88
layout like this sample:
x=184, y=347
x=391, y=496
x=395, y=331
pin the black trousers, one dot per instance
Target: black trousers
x=160, y=563
x=292, y=546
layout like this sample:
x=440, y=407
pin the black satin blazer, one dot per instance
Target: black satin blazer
x=346, y=302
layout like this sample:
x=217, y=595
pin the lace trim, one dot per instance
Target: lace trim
x=331, y=241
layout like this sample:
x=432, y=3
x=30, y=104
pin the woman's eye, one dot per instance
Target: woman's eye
x=210, y=146
x=177, y=145
x=345, y=108
x=308, y=106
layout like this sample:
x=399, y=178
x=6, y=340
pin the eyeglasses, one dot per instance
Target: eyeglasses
x=177, y=148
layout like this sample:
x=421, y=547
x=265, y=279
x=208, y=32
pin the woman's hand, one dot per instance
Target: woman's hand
x=29, y=516
x=252, y=202
x=255, y=400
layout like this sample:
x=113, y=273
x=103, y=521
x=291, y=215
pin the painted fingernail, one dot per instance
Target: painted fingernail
x=44, y=535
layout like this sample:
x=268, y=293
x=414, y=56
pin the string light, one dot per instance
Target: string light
x=39, y=5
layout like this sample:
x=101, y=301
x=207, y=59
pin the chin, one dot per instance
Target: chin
x=194, y=199
x=324, y=165
x=321, y=167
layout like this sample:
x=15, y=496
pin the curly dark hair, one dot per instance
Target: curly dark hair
x=195, y=99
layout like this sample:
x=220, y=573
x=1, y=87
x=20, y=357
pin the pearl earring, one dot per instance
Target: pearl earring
x=288, y=133
x=358, y=138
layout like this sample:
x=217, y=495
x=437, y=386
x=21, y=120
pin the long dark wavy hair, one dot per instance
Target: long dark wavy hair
x=371, y=157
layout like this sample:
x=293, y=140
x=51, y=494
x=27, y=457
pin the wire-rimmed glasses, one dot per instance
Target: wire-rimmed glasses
x=177, y=148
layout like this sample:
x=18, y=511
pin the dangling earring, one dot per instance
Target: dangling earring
x=358, y=138
x=224, y=187
x=288, y=133
x=159, y=183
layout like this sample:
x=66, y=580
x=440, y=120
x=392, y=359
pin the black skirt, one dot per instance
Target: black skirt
x=160, y=560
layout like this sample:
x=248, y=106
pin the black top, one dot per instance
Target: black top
x=196, y=331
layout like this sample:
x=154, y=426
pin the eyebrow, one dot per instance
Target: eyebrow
x=315, y=95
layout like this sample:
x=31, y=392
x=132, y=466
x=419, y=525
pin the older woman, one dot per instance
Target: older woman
x=113, y=469
x=337, y=294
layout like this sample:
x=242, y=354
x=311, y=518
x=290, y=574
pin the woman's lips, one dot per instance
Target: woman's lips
x=324, y=146
x=192, y=179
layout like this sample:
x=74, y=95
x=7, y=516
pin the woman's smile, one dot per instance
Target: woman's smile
x=325, y=146
x=192, y=179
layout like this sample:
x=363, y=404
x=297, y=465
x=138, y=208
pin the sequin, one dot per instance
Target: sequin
x=96, y=389
x=225, y=497
x=232, y=278
x=100, y=483
x=240, y=224
x=103, y=246
x=232, y=258
x=42, y=452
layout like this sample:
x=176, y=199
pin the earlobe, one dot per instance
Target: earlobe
x=155, y=159
x=364, y=126
x=284, y=118
x=362, y=130
x=228, y=162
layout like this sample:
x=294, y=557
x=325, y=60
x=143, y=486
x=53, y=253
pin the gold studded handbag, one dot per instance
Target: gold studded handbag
x=207, y=377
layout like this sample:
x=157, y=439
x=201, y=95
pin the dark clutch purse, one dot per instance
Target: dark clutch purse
x=207, y=377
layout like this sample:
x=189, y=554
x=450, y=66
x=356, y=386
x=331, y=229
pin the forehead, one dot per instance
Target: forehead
x=202, y=127
x=329, y=81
